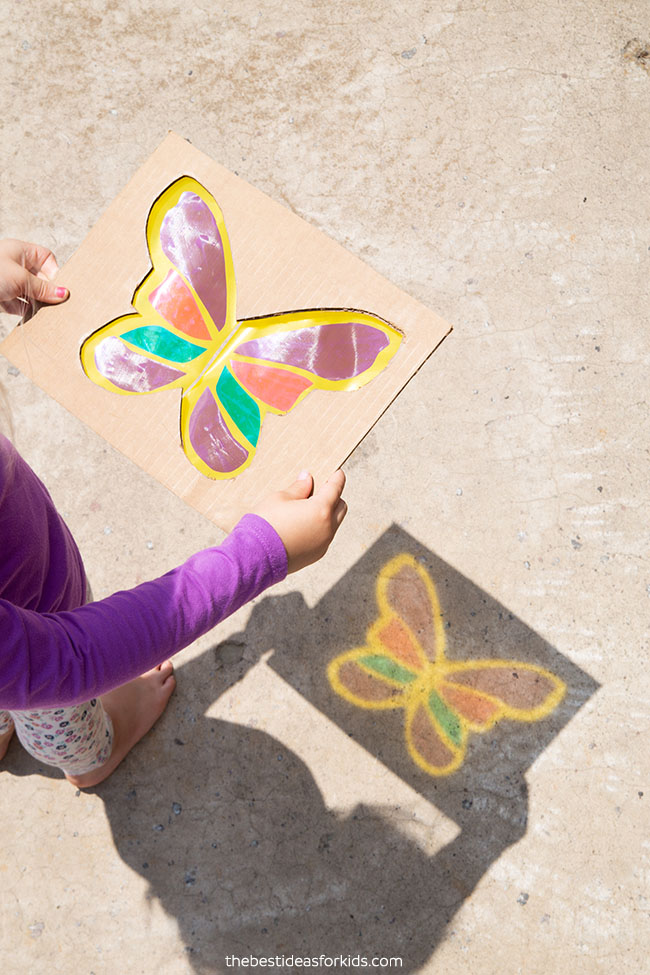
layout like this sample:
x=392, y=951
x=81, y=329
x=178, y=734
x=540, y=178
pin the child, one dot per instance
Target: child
x=82, y=683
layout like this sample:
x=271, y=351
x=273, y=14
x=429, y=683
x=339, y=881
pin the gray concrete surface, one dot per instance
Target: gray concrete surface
x=492, y=160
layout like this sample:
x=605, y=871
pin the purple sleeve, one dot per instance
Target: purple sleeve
x=50, y=659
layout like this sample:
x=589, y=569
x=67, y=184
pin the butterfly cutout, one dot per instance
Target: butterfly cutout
x=404, y=665
x=185, y=335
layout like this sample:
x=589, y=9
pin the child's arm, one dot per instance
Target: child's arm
x=49, y=659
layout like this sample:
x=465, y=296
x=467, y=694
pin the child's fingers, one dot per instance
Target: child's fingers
x=332, y=489
x=49, y=267
x=26, y=272
x=340, y=511
x=35, y=288
x=40, y=260
x=301, y=487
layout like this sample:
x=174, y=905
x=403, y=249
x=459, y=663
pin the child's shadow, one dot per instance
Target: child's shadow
x=236, y=843
x=232, y=835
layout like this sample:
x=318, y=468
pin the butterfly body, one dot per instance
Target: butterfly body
x=184, y=334
x=404, y=665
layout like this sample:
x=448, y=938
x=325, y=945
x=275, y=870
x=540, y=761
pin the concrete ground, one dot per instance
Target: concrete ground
x=490, y=159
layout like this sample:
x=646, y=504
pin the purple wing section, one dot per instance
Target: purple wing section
x=212, y=439
x=339, y=350
x=190, y=238
x=130, y=371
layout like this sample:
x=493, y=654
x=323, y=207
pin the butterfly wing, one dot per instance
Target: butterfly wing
x=129, y=357
x=281, y=357
x=436, y=738
x=370, y=678
x=405, y=590
x=216, y=444
x=183, y=306
x=483, y=691
x=186, y=234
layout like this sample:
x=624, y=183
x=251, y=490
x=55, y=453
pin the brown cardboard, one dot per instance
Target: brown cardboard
x=281, y=264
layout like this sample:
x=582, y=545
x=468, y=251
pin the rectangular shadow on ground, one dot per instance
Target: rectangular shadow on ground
x=521, y=708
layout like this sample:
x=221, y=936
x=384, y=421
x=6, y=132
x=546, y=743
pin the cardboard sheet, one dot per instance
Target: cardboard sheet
x=281, y=264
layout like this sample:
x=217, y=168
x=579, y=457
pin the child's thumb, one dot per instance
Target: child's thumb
x=302, y=487
x=44, y=291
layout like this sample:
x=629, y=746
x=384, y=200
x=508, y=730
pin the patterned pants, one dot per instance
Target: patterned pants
x=75, y=739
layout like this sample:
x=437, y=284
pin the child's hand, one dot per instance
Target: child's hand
x=306, y=522
x=26, y=271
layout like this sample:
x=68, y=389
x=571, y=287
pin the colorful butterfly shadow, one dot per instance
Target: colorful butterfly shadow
x=185, y=335
x=404, y=665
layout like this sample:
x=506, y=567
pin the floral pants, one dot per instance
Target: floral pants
x=75, y=739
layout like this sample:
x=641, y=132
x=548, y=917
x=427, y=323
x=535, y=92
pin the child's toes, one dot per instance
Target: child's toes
x=166, y=671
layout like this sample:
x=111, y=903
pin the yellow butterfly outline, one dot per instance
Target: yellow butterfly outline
x=411, y=683
x=220, y=349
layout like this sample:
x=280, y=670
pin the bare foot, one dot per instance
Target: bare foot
x=134, y=708
x=4, y=742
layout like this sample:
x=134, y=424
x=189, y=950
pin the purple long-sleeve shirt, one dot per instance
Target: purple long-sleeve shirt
x=56, y=651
